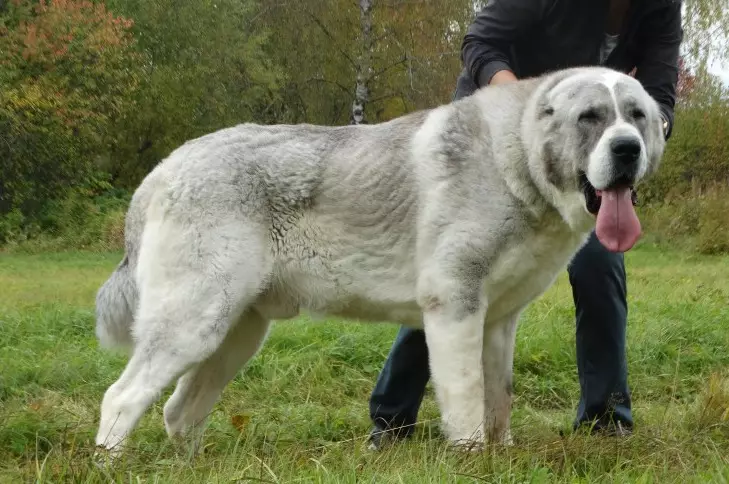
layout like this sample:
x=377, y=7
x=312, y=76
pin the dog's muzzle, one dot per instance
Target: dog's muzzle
x=625, y=153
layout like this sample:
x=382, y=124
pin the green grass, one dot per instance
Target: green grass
x=299, y=412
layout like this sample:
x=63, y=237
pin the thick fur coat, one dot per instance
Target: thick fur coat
x=452, y=219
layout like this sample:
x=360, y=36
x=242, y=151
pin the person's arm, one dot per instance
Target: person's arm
x=486, y=45
x=657, y=65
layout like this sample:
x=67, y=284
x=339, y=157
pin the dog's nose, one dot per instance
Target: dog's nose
x=626, y=149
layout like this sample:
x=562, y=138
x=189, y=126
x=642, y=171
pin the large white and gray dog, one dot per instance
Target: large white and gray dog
x=451, y=219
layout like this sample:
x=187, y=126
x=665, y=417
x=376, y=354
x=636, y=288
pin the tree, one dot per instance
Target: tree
x=205, y=67
x=686, y=81
x=706, y=32
x=697, y=156
x=364, y=63
x=420, y=52
x=404, y=55
x=706, y=40
x=67, y=73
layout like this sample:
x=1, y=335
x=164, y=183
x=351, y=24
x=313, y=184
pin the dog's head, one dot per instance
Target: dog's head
x=596, y=132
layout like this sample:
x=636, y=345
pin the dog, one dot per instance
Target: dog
x=451, y=219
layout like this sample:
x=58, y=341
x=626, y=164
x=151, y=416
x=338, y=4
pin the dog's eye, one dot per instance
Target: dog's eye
x=548, y=111
x=638, y=114
x=590, y=115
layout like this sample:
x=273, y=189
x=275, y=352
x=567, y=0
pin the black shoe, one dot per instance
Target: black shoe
x=381, y=437
x=617, y=430
x=613, y=429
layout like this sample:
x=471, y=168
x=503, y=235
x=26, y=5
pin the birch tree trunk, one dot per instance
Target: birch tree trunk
x=364, y=64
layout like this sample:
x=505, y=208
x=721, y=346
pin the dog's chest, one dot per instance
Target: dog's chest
x=527, y=268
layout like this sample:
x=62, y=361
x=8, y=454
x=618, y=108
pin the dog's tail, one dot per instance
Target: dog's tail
x=116, y=301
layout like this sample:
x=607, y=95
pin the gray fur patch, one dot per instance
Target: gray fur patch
x=552, y=162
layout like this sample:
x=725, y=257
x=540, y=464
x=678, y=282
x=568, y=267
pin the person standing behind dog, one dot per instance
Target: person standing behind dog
x=512, y=39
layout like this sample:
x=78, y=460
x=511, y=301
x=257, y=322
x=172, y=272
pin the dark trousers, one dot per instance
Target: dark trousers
x=598, y=284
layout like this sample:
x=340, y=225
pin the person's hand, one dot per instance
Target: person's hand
x=503, y=77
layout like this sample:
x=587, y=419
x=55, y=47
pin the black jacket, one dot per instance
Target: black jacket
x=532, y=37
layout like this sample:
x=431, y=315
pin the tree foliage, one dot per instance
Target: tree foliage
x=706, y=32
x=67, y=74
x=412, y=61
x=94, y=93
x=204, y=68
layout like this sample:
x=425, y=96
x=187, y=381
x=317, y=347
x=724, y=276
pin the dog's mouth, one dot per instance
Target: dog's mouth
x=617, y=226
x=592, y=199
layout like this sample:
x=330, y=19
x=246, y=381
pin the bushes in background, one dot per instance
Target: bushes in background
x=697, y=220
x=77, y=222
x=697, y=155
x=68, y=70
x=90, y=101
x=686, y=202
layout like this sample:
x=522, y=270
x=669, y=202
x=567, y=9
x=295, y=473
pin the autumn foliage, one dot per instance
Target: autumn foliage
x=686, y=81
x=73, y=55
x=67, y=73
x=94, y=93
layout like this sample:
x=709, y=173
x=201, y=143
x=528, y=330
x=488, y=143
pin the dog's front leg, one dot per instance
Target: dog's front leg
x=454, y=334
x=498, y=362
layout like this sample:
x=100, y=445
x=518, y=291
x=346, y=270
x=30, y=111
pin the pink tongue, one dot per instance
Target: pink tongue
x=618, y=227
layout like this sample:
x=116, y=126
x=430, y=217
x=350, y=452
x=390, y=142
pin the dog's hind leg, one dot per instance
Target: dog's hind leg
x=198, y=390
x=164, y=353
x=191, y=295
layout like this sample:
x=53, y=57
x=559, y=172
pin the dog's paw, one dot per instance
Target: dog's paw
x=105, y=458
x=506, y=439
x=467, y=445
x=478, y=445
x=188, y=441
x=189, y=446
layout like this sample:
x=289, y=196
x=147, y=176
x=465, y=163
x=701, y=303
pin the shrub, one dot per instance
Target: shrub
x=66, y=70
x=696, y=220
x=697, y=155
x=78, y=222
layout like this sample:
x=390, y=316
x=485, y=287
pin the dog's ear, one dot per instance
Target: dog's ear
x=544, y=107
x=555, y=77
x=656, y=140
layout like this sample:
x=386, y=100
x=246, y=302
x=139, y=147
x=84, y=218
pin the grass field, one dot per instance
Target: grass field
x=298, y=412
